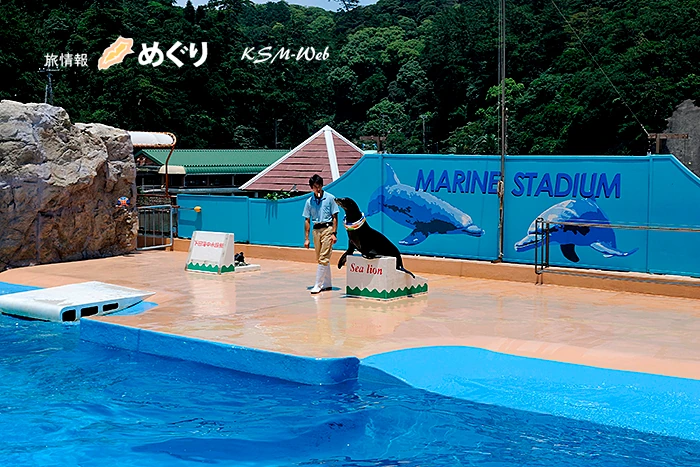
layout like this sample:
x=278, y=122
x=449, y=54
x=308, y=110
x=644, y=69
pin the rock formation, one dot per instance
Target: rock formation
x=59, y=186
x=686, y=119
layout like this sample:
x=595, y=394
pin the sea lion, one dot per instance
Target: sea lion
x=364, y=238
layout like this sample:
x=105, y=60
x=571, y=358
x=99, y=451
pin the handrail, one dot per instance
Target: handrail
x=153, y=226
x=543, y=230
x=624, y=226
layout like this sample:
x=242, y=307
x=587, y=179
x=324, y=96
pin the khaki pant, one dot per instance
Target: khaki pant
x=323, y=244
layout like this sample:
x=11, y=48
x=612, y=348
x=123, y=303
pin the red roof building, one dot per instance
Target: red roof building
x=326, y=153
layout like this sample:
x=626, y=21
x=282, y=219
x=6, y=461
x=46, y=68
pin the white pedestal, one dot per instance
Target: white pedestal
x=378, y=278
x=213, y=252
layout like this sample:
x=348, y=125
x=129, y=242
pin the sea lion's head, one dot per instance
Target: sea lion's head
x=352, y=211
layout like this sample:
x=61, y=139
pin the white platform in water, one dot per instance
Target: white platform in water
x=378, y=278
x=71, y=302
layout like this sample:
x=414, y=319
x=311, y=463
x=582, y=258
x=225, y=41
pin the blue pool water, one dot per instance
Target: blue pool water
x=69, y=402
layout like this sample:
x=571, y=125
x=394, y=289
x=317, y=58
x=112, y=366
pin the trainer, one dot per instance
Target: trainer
x=321, y=209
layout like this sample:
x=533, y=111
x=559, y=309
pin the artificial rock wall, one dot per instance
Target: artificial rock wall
x=59, y=186
x=686, y=119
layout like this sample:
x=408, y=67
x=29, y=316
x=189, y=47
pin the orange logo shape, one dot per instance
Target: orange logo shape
x=115, y=53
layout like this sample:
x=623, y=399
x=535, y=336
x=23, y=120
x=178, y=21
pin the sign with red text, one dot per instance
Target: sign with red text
x=211, y=252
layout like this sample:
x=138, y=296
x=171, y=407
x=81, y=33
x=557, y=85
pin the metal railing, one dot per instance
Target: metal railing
x=543, y=231
x=156, y=226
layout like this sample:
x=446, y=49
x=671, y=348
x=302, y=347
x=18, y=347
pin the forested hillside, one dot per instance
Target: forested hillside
x=582, y=74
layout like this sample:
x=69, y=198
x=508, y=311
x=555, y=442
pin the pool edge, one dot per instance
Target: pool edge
x=297, y=369
x=617, y=398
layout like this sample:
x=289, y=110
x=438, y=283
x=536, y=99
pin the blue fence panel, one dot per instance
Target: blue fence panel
x=442, y=205
x=219, y=214
x=357, y=183
x=439, y=205
x=592, y=189
x=674, y=201
x=277, y=223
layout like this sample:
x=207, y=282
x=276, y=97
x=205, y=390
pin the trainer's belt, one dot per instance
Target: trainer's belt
x=322, y=225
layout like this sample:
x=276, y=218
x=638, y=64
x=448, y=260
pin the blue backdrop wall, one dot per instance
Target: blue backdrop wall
x=448, y=206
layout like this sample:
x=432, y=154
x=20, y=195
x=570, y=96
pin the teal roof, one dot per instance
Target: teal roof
x=217, y=161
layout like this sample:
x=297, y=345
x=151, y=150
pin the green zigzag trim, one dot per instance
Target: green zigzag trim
x=386, y=294
x=210, y=268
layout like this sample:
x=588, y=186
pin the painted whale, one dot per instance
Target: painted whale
x=568, y=237
x=422, y=212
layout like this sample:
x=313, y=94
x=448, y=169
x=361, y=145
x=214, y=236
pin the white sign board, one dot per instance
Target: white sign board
x=211, y=252
x=378, y=278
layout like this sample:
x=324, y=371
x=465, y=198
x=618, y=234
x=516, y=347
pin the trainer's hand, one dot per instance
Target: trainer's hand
x=335, y=238
x=307, y=243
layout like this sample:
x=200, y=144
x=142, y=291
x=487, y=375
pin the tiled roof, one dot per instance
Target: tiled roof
x=216, y=161
x=326, y=153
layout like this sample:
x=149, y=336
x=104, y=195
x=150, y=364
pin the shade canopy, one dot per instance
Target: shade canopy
x=149, y=139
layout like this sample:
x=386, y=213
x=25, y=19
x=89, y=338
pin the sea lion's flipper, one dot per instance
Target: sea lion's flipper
x=344, y=257
x=414, y=238
x=569, y=252
x=406, y=271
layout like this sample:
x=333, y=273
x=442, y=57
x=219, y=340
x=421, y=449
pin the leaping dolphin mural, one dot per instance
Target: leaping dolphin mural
x=586, y=210
x=424, y=213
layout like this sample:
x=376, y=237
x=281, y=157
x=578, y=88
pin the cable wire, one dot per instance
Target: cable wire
x=600, y=68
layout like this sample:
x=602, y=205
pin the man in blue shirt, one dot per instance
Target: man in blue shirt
x=321, y=209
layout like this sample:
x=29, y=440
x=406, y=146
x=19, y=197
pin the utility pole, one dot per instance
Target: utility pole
x=277, y=120
x=48, y=91
x=659, y=136
x=504, y=122
x=423, y=117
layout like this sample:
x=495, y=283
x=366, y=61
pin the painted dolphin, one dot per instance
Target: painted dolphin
x=568, y=237
x=422, y=212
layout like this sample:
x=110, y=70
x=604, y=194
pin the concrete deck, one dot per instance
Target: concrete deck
x=272, y=310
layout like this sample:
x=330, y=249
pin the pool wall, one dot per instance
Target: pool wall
x=307, y=370
x=649, y=403
x=459, y=193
